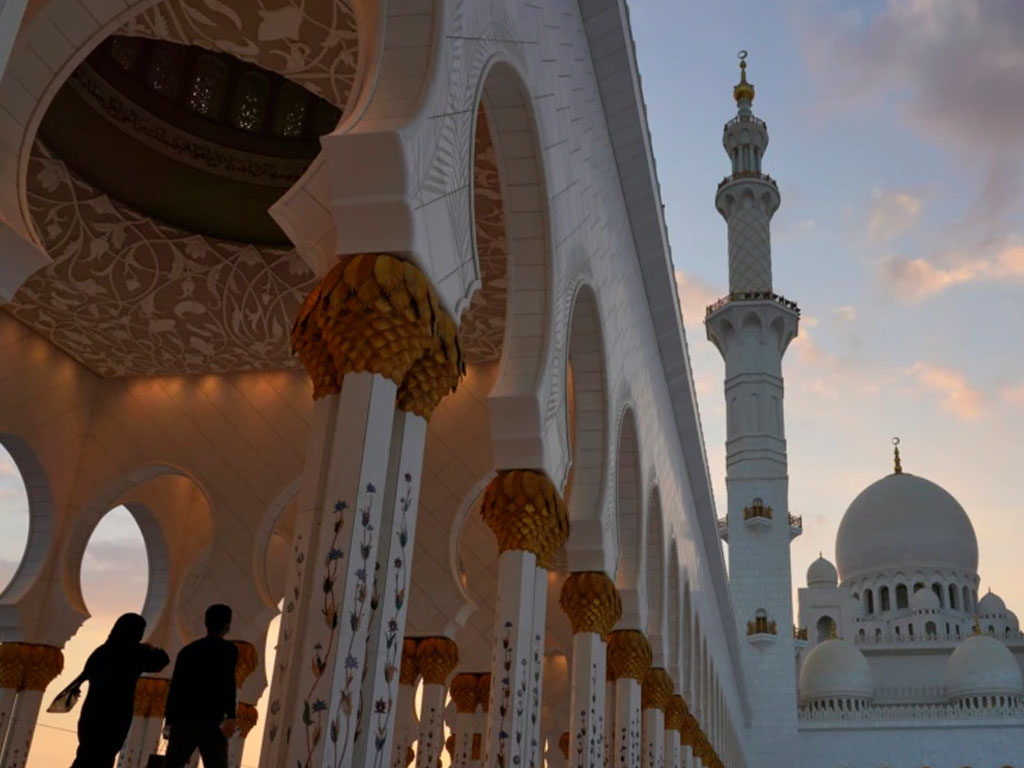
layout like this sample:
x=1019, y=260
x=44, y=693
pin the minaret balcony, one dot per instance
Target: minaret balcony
x=799, y=638
x=761, y=631
x=752, y=296
x=796, y=526
x=723, y=529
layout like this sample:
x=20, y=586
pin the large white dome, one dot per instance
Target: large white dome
x=835, y=669
x=982, y=665
x=904, y=521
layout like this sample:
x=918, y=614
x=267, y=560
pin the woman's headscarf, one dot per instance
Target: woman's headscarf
x=127, y=630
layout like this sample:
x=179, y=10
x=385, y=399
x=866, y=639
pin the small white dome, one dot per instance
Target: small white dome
x=822, y=574
x=835, y=669
x=991, y=604
x=924, y=600
x=982, y=665
x=904, y=521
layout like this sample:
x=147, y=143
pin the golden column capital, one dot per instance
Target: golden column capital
x=29, y=666
x=246, y=717
x=410, y=668
x=629, y=655
x=151, y=696
x=591, y=601
x=483, y=690
x=463, y=690
x=563, y=744
x=376, y=313
x=526, y=512
x=248, y=659
x=657, y=689
x=675, y=713
x=436, y=658
x=688, y=735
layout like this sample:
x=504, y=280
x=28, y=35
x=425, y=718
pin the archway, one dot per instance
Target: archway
x=674, y=627
x=14, y=517
x=627, y=475
x=115, y=579
x=824, y=628
x=654, y=565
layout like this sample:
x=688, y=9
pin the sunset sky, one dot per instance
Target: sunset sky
x=895, y=139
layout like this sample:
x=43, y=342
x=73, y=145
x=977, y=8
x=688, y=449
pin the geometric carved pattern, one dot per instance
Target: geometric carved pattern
x=750, y=266
x=482, y=328
x=313, y=42
x=128, y=296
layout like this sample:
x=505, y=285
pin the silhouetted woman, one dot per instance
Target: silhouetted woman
x=112, y=671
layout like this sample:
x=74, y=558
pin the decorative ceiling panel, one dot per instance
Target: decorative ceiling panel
x=128, y=296
x=313, y=42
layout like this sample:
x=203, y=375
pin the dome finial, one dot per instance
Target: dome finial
x=832, y=633
x=977, y=626
x=897, y=468
x=743, y=91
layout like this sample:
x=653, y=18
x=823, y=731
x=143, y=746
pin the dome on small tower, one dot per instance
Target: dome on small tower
x=822, y=574
x=991, y=604
x=924, y=600
x=982, y=665
x=835, y=669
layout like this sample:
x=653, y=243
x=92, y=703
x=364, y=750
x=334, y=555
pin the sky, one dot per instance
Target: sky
x=895, y=130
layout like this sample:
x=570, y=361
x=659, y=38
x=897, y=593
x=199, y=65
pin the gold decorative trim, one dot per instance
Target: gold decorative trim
x=463, y=690
x=591, y=601
x=629, y=655
x=29, y=666
x=527, y=513
x=410, y=668
x=248, y=660
x=246, y=717
x=436, y=657
x=675, y=713
x=657, y=689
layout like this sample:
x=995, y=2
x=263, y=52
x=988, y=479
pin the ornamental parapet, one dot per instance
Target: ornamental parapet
x=928, y=715
x=753, y=296
x=757, y=510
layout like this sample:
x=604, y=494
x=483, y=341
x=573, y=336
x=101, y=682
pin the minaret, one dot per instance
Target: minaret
x=752, y=327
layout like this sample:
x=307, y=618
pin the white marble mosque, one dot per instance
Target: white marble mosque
x=366, y=312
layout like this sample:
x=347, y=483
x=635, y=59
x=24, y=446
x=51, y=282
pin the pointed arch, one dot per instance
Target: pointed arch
x=627, y=573
x=654, y=566
x=674, y=632
x=40, y=516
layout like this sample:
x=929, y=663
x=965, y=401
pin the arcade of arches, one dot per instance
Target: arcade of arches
x=370, y=330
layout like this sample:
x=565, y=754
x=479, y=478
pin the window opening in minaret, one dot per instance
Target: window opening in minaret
x=952, y=597
x=901, y=597
x=937, y=589
x=883, y=597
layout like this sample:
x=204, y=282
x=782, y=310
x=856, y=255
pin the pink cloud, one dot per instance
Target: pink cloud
x=891, y=214
x=955, y=392
x=695, y=296
x=917, y=279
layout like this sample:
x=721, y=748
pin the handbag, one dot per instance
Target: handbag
x=65, y=700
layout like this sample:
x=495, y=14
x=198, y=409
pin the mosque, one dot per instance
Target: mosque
x=366, y=312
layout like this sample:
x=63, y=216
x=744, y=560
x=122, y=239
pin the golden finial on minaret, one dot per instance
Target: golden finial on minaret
x=833, y=634
x=897, y=468
x=743, y=90
x=977, y=626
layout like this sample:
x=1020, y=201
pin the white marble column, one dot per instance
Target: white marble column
x=378, y=698
x=371, y=363
x=592, y=603
x=536, y=675
x=23, y=723
x=246, y=720
x=436, y=658
x=675, y=714
x=465, y=693
x=7, y=697
x=38, y=665
x=530, y=522
x=629, y=659
x=406, y=724
x=656, y=691
x=609, y=718
x=483, y=695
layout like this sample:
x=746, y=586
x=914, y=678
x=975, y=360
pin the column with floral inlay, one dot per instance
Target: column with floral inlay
x=629, y=658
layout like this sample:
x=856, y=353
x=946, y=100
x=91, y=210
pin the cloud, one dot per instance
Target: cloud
x=695, y=297
x=1014, y=395
x=917, y=279
x=955, y=392
x=846, y=314
x=950, y=69
x=891, y=214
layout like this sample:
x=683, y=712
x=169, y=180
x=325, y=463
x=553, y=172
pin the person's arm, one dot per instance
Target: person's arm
x=154, y=659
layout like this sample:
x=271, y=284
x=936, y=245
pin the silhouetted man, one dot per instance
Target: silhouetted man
x=200, y=710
